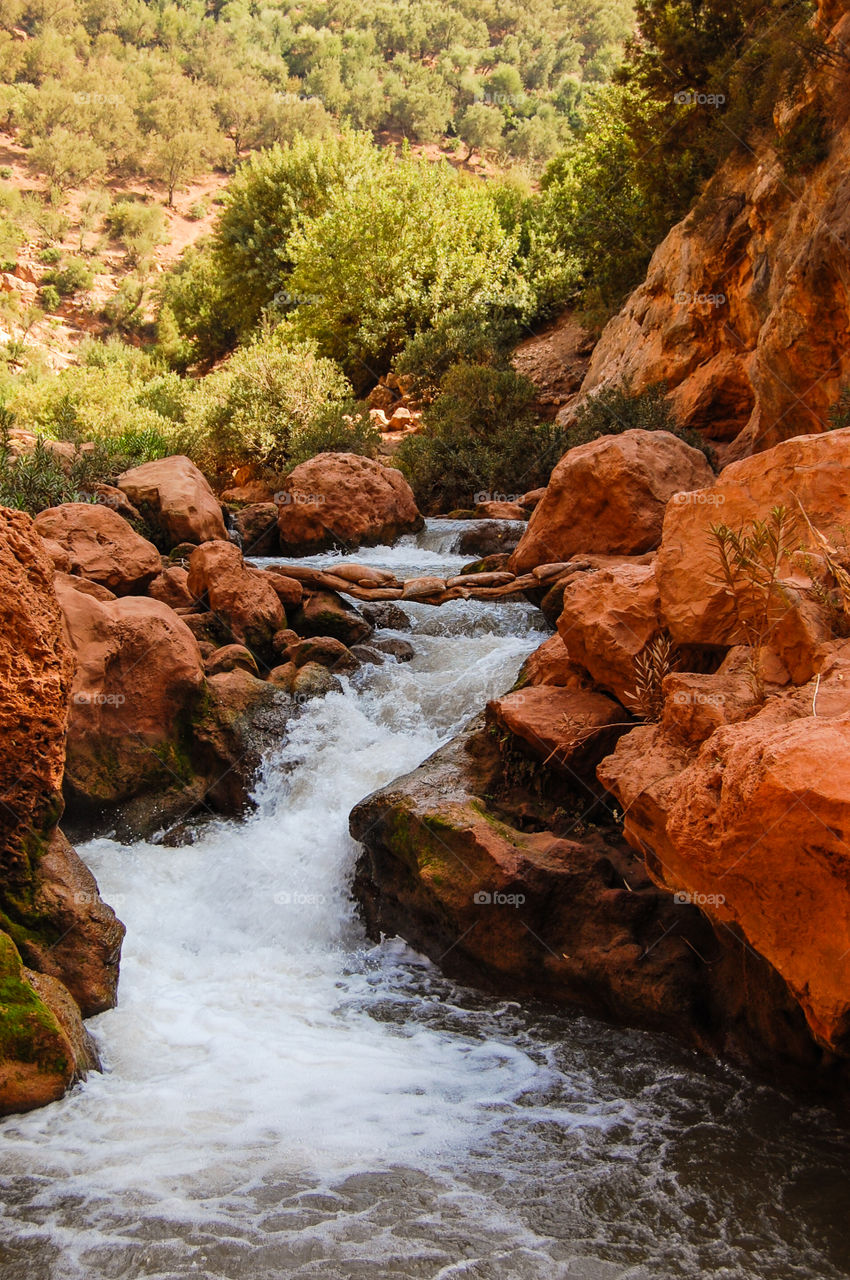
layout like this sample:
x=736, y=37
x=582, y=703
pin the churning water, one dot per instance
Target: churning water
x=281, y=1099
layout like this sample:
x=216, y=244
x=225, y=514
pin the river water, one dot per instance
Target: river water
x=282, y=1099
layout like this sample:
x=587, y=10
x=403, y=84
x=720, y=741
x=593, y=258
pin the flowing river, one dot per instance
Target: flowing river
x=283, y=1099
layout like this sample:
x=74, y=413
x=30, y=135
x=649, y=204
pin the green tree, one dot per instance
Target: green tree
x=386, y=258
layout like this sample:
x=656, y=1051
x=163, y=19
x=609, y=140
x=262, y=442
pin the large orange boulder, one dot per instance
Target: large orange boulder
x=52, y=912
x=810, y=470
x=101, y=546
x=568, y=730
x=340, y=499
x=608, y=619
x=749, y=821
x=243, y=600
x=175, y=499
x=609, y=496
x=139, y=673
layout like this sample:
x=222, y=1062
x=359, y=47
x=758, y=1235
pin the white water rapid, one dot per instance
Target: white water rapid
x=281, y=1099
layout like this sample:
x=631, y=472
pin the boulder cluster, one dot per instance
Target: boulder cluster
x=655, y=823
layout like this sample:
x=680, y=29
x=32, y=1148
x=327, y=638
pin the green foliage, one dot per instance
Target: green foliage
x=805, y=143
x=50, y=297
x=751, y=562
x=73, y=275
x=617, y=408
x=456, y=337
x=386, y=258
x=140, y=227
x=700, y=80
x=344, y=427
x=839, y=414
x=480, y=436
x=261, y=401
x=268, y=199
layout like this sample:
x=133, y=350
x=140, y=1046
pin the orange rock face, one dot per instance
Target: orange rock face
x=101, y=546
x=243, y=599
x=812, y=470
x=564, y=728
x=139, y=672
x=175, y=499
x=609, y=496
x=50, y=903
x=36, y=669
x=752, y=826
x=341, y=499
x=745, y=310
x=609, y=617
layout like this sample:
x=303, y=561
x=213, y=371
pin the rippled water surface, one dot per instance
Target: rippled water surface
x=283, y=1099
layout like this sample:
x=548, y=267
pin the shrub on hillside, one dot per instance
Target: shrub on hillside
x=614, y=409
x=261, y=401
x=387, y=258
x=480, y=435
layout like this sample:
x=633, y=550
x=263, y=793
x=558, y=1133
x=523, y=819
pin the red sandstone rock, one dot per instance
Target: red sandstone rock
x=812, y=470
x=751, y=823
x=608, y=618
x=172, y=588
x=101, y=546
x=243, y=599
x=340, y=498
x=609, y=496
x=174, y=497
x=139, y=673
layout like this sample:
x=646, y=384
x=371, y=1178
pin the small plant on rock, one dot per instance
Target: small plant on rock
x=656, y=660
x=751, y=563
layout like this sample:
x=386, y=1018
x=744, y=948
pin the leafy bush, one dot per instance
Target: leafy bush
x=50, y=297
x=140, y=227
x=457, y=337
x=340, y=428
x=386, y=258
x=258, y=405
x=806, y=143
x=480, y=435
x=614, y=409
x=839, y=414
x=71, y=277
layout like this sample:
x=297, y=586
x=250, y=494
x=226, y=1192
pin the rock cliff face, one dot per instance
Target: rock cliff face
x=745, y=310
x=51, y=914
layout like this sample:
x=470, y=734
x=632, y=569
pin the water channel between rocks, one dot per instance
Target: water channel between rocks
x=283, y=1099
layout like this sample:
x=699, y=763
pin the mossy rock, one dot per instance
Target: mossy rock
x=37, y=1061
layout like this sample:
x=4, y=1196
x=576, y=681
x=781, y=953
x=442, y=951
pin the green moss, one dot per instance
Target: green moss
x=29, y=1032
